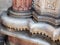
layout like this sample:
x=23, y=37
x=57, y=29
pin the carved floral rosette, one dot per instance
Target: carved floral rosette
x=22, y=5
x=47, y=7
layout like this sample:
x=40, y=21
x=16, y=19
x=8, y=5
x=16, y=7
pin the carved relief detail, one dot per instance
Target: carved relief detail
x=51, y=5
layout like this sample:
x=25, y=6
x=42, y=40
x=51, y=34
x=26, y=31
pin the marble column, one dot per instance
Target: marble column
x=21, y=5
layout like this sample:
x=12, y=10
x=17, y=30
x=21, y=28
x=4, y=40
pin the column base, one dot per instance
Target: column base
x=15, y=24
x=38, y=10
x=46, y=19
x=22, y=14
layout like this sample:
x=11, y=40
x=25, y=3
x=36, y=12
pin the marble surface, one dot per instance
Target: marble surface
x=4, y=5
x=25, y=36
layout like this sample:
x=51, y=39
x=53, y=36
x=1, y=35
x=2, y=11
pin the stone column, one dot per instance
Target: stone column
x=21, y=5
x=21, y=8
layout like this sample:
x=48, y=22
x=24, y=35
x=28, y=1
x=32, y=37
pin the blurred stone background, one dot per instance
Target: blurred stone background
x=4, y=5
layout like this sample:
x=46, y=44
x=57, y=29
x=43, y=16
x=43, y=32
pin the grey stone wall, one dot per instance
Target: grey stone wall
x=5, y=4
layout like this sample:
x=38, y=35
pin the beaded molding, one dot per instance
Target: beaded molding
x=15, y=23
x=19, y=24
